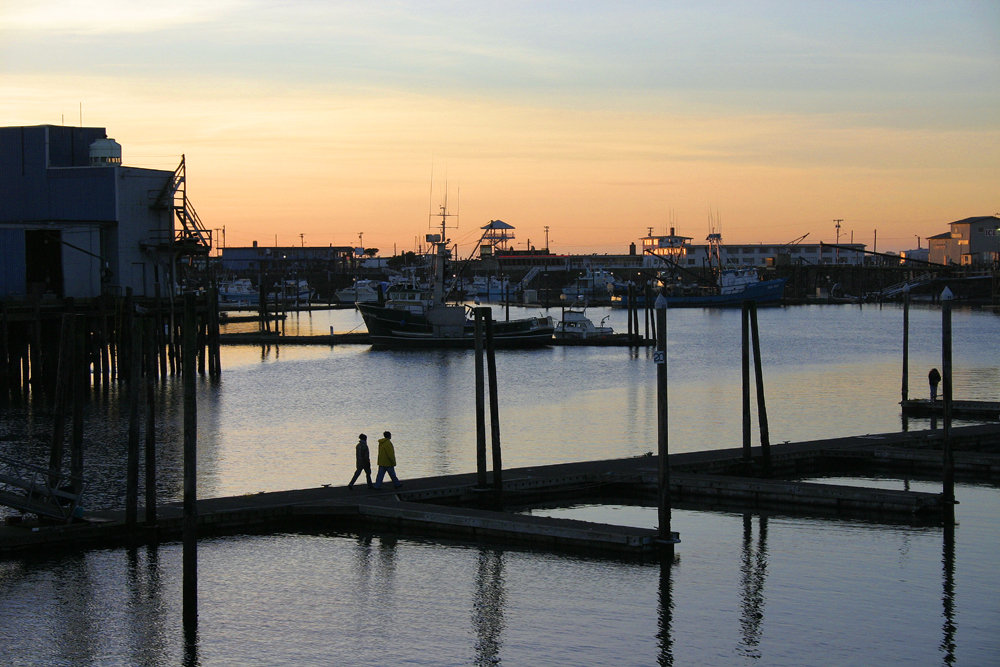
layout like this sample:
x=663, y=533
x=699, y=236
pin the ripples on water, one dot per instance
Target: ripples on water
x=745, y=590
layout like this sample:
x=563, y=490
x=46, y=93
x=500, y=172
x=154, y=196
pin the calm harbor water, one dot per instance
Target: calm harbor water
x=744, y=590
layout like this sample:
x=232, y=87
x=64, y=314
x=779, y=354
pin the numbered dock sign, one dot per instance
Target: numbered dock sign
x=660, y=356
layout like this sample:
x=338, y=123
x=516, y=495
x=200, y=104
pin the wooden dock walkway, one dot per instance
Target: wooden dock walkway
x=960, y=409
x=451, y=505
x=362, y=338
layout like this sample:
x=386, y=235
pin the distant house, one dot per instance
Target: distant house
x=679, y=250
x=75, y=222
x=971, y=242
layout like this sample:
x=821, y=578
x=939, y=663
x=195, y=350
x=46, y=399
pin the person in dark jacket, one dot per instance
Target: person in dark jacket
x=934, y=377
x=363, y=461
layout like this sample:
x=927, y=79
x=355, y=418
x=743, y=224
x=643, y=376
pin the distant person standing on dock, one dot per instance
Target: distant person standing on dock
x=363, y=461
x=386, y=461
x=934, y=377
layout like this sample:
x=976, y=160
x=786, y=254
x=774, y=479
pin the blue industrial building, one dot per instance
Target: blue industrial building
x=75, y=222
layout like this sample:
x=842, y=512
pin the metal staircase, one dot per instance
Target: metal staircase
x=191, y=235
x=35, y=490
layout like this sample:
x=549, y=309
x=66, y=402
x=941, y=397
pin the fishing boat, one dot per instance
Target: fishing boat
x=734, y=286
x=418, y=316
x=731, y=287
x=576, y=325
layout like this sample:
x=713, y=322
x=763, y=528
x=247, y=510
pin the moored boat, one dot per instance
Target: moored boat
x=576, y=325
x=238, y=292
x=419, y=317
x=734, y=287
x=363, y=290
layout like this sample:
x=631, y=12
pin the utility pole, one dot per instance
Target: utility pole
x=546, y=237
x=837, y=255
x=303, y=238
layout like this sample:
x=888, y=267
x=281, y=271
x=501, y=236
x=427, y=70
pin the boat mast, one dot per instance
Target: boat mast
x=440, y=242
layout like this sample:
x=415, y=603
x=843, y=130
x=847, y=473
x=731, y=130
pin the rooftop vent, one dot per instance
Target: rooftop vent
x=105, y=153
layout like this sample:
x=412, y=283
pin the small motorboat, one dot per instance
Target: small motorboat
x=575, y=324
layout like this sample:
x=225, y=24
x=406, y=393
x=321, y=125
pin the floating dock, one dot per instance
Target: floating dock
x=362, y=338
x=960, y=409
x=453, y=507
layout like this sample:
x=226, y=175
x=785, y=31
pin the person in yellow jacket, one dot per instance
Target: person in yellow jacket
x=386, y=461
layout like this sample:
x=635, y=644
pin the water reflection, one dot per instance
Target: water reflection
x=664, y=632
x=489, y=600
x=147, y=621
x=753, y=573
x=74, y=592
x=384, y=585
x=948, y=597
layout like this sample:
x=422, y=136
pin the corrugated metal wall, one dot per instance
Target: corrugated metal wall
x=12, y=268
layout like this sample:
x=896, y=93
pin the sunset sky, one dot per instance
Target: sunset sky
x=320, y=120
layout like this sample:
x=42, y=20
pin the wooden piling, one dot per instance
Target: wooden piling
x=480, y=402
x=62, y=386
x=745, y=349
x=491, y=367
x=948, y=461
x=629, y=305
x=190, y=529
x=81, y=385
x=906, y=345
x=663, y=468
x=150, y=440
x=765, y=437
x=134, y=359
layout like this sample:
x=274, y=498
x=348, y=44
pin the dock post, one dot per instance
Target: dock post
x=652, y=313
x=635, y=317
x=81, y=383
x=948, y=476
x=765, y=436
x=906, y=342
x=130, y=323
x=745, y=348
x=506, y=300
x=190, y=526
x=630, y=304
x=480, y=403
x=150, y=442
x=663, y=492
x=646, y=307
x=491, y=369
x=64, y=379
